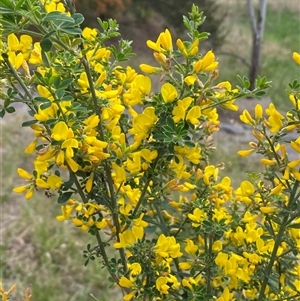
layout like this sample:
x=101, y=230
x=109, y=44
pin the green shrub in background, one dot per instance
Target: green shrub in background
x=131, y=166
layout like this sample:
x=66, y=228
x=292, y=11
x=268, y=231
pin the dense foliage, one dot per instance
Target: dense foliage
x=131, y=166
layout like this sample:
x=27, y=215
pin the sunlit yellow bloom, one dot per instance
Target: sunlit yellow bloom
x=267, y=210
x=89, y=33
x=36, y=56
x=163, y=42
x=246, y=118
x=24, y=174
x=125, y=282
x=207, y=63
x=296, y=57
x=125, y=239
x=149, y=69
x=258, y=112
x=89, y=183
x=166, y=246
x=180, y=110
x=5, y=294
x=221, y=259
x=226, y=295
x=169, y=92
x=217, y=246
x=53, y=6
x=135, y=269
x=16, y=59
x=275, y=118
x=190, y=248
x=267, y=162
x=191, y=50
x=245, y=153
x=197, y=217
x=295, y=145
x=190, y=79
x=193, y=114
x=185, y=265
x=162, y=286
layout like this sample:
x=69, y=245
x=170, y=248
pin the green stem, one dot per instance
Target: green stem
x=278, y=241
x=78, y=186
x=105, y=257
x=106, y=165
x=17, y=77
x=92, y=296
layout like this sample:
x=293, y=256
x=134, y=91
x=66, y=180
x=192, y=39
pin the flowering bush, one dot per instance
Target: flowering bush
x=131, y=167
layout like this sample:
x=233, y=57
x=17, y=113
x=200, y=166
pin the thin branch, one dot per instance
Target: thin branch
x=252, y=16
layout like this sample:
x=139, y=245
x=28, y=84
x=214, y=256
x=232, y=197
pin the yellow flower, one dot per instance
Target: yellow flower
x=193, y=114
x=275, y=118
x=245, y=153
x=16, y=60
x=163, y=43
x=89, y=33
x=162, y=286
x=168, y=91
x=246, y=118
x=191, y=50
x=60, y=131
x=180, y=110
x=36, y=56
x=185, y=265
x=5, y=294
x=190, y=79
x=296, y=57
x=166, y=246
x=267, y=210
x=135, y=269
x=197, y=217
x=125, y=282
x=190, y=248
x=149, y=69
x=217, y=246
x=226, y=295
x=207, y=63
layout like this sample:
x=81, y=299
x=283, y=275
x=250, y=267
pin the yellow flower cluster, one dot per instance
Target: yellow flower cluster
x=132, y=167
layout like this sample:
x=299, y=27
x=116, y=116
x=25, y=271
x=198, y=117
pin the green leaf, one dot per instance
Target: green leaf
x=28, y=123
x=64, y=84
x=78, y=18
x=45, y=60
x=19, y=4
x=46, y=105
x=64, y=197
x=294, y=226
x=10, y=110
x=40, y=99
x=46, y=45
x=40, y=77
x=2, y=113
x=171, y=124
x=7, y=3
x=58, y=16
x=71, y=30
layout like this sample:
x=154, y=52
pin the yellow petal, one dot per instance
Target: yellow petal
x=296, y=57
x=24, y=174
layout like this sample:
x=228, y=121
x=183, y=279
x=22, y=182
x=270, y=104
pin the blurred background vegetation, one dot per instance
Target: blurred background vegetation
x=38, y=252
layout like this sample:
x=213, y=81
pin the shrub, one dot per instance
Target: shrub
x=131, y=167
